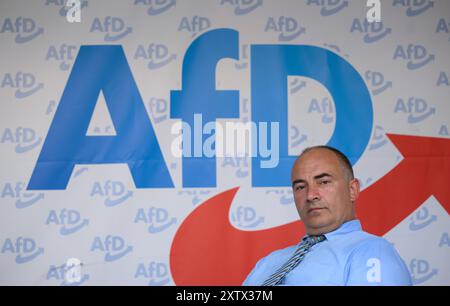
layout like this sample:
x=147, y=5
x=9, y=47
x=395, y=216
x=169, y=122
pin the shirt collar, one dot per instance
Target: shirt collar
x=347, y=227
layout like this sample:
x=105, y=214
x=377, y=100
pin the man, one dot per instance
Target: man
x=335, y=251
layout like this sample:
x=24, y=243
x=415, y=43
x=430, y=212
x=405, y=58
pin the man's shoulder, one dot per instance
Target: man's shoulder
x=362, y=240
x=371, y=256
x=367, y=239
x=368, y=246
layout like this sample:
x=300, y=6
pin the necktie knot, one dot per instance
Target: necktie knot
x=312, y=240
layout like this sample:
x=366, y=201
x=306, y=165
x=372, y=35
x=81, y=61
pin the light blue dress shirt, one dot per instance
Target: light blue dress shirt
x=349, y=256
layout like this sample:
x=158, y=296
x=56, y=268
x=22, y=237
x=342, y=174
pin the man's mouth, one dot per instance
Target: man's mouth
x=315, y=209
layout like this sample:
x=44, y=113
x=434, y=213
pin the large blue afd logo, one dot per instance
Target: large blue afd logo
x=105, y=69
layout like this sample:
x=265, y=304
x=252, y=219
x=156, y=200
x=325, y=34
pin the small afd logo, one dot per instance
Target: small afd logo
x=25, y=139
x=288, y=28
x=112, y=247
x=156, y=7
x=156, y=273
x=373, y=31
x=377, y=83
x=194, y=25
x=417, y=109
x=421, y=219
x=114, y=28
x=158, y=219
x=25, y=28
x=24, y=83
x=113, y=193
x=415, y=56
x=159, y=109
x=63, y=54
x=421, y=271
x=158, y=55
x=329, y=7
x=17, y=191
x=69, y=221
x=25, y=249
x=414, y=7
x=246, y=217
x=243, y=7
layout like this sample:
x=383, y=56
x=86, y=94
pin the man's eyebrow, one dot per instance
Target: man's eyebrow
x=297, y=182
x=322, y=175
x=317, y=177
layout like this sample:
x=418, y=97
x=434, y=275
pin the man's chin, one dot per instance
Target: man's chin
x=318, y=228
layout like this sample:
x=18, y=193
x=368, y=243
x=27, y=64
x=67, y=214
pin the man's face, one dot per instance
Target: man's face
x=323, y=194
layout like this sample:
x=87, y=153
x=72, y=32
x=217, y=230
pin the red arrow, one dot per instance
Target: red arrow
x=424, y=171
x=208, y=250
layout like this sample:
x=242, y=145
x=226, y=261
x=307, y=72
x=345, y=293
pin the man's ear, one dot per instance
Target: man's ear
x=354, y=187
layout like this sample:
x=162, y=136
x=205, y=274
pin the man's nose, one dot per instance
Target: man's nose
x=313, y=193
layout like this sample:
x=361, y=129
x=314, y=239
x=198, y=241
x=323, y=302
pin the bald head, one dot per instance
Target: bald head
x=343, y=160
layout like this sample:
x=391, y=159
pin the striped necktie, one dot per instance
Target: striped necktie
x=307, y=242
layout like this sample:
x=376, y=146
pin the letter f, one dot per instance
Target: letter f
x=199, y=96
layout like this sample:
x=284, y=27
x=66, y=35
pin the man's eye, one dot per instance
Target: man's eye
x=299, y=187
x=324, y=182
